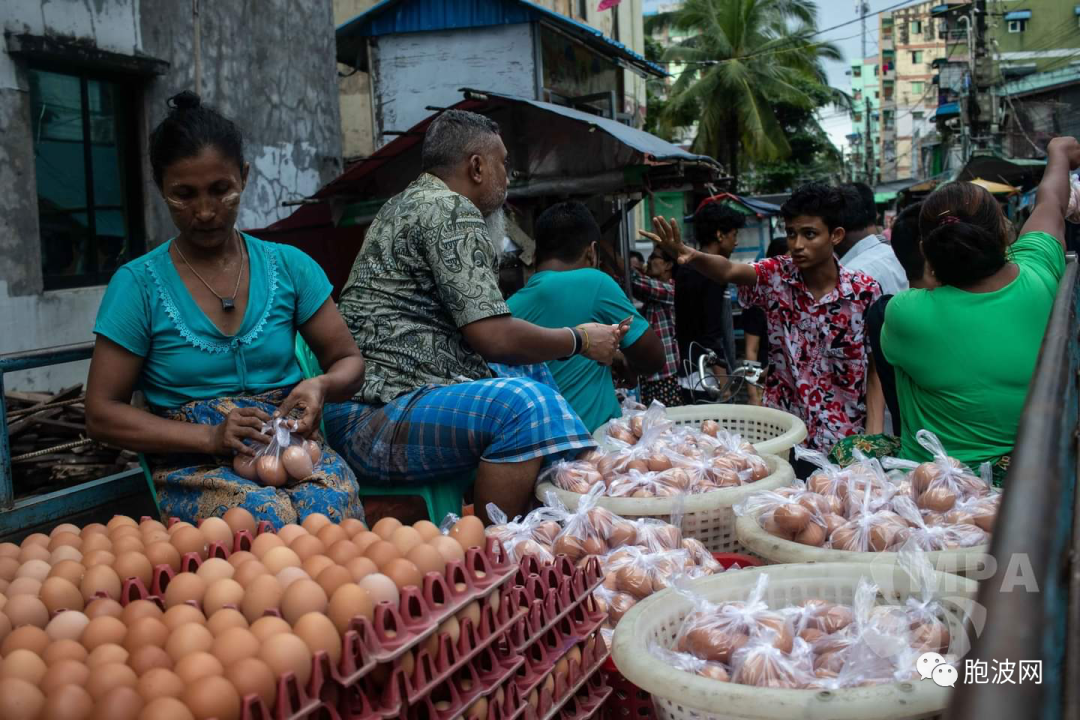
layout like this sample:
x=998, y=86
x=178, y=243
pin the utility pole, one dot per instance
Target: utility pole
x=978, y=107
x=868, y=147
x=863, y=7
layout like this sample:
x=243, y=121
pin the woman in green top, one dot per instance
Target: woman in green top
x=964, y=352
x=205, y=326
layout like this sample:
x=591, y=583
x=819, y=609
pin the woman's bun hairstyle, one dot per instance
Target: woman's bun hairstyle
x=963, y=234
x=190, y=127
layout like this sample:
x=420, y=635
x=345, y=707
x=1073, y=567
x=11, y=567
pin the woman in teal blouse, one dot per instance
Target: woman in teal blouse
x=205, y=325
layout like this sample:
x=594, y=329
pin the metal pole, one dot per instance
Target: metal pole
x=196, y=45
x=624, y=241
x=7, y=483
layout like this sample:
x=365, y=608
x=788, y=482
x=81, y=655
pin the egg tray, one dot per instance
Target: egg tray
x=472, y=653
x=558, y=598
x=582, y=708
x=539, y=668
x=497, y=666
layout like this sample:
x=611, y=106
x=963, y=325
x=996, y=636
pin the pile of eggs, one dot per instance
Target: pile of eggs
x=297, y=461
x=68, y=653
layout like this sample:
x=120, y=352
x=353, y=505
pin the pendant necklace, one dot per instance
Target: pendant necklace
x=227, y=303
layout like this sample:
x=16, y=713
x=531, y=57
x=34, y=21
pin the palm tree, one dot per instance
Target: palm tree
x=744, y=56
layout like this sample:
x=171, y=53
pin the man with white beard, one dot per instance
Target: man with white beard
x=423, y=303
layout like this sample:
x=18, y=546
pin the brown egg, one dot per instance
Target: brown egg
x=36, y=569
x=62, y=539
x=64, y=553
x=319, y=633
x=98, y=579
x=214, y=569
x=158, y=683
x=98, y=557
x=352, y=526
x=102, y=630
x=478, y=710
x=386, y=527
x=252, y=676
x=331, y=534
x=24, y=586
x=128, y=544
x=216, y=530
x=302, y=597
x=65, y=672
x=248, y=572
x=68, y=625
x=26, y=610
x=226, y=619
x=9, y=550
x=347, y=602
x=426, y=559
x=239, y=558
x=188, y=639
x=19, y=700
x=238, y=519
x=403, y=573
x=449, y=548
x=175, y=527
x=29, y=553
x=59, y=650
x=380, y=588
x=364, y=540
x=221, y=593
x=287, y=576
x=166, y=708
x=68, y=702
x=134, y=564
x=267, y=626
x=427, y=529
x=106, y=677
x=468, y=531
x=148, y=658
x=264, y=543
x=179, y=615
x=183, y=588
x=190, y=540
x=291, y=533
x=279, y=558
x=297, y=462
x=105, y=655
x=146, y=631
x=307, y=546
x=316, y=564
x=406, y=538
x=198, y=665
x=27, y=637
x=361, y=567
x=342, y=551
x=118, y=521
x=315, y=522
x=103, y=607
x=96, y=541
x=149, y=525
x=24, y=664
x=286, y=652
x=332, y=578
x=139, y=609
x=163, y=553
x=271, y=471
x=262, y=594
x=120, y=703
x=235, y=644
x=382, y=552
x=8, y=567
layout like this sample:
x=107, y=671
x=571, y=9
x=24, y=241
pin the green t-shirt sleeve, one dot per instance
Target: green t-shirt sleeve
x=612, y=307
x=310, y=283
x=899, y=332
x=1042, y=253
x=463, y=264
x=124, y=313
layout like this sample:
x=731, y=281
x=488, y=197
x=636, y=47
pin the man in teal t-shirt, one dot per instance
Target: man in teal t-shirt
x=567, y=290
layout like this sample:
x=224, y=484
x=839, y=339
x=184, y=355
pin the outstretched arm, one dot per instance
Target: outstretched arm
x=1052, y=197
x=668, y=238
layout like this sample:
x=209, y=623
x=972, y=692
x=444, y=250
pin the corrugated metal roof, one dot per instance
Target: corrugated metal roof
x=392, y=17
x=1039, y=81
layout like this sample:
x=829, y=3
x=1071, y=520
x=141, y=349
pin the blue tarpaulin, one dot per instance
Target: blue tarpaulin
x=948, y=109
x=1018, y=15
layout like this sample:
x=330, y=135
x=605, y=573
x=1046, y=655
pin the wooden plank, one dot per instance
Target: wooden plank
x=77, y=428
x=27, y=398
x=30, y=421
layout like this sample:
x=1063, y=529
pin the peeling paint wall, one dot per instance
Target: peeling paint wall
x=267, y=64
x=416, y=70
x=357, y=139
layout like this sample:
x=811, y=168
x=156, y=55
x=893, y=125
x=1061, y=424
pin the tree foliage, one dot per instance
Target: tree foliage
x=751, y=67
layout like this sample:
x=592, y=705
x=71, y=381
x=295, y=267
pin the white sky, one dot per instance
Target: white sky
x=834, y=12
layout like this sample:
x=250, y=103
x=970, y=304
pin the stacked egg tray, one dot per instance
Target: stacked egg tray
x=333, y=689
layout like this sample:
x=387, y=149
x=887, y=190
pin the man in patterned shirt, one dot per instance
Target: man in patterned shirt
x=423, y=303
x=656, y=289
x=814, y=310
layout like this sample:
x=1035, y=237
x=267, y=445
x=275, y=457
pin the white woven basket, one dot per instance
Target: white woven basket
x=770, y=431
x=706, y=516
x=683, y=696
x=772, y=549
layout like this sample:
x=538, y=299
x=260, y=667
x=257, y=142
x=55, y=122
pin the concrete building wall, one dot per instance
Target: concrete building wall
x=268, y=64
x=1050, y=40
x=354, y=87
x=417, y=70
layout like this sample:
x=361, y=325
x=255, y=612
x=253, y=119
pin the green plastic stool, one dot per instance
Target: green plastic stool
x=440, y=496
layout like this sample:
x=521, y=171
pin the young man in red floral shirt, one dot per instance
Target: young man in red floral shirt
x=814, y=310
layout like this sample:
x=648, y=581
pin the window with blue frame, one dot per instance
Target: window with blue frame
x=87, y=171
